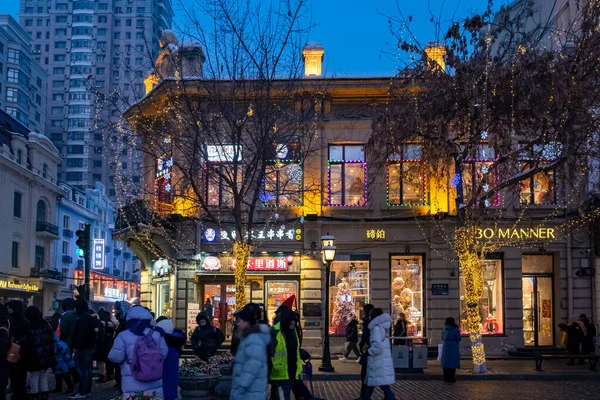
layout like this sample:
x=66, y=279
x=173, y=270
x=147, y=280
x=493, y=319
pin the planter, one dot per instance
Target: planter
x=224, y=387
x=198, y=386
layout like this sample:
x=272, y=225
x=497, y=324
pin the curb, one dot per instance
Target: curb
x=488, y=377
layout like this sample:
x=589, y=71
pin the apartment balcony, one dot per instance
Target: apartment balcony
x=67, y=233
x=46, y=229
x=67, y=259
x=46, y=274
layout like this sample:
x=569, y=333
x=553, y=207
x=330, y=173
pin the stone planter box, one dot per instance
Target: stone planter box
x=224, y=387
x=198, y=387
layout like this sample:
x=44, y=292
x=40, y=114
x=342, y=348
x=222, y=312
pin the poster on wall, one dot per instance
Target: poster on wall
x=193, y=310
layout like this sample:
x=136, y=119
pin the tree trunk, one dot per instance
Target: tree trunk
x=241, y=253
x=465, y=246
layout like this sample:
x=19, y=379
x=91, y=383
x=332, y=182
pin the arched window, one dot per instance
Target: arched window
x=41, y=211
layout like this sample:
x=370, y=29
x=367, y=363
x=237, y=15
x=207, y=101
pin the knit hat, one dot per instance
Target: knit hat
x=166, y=325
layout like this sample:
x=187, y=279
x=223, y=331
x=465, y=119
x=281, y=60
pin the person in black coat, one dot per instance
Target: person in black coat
x=575, y=333
x=20, y=333
x=351, y=340
x=206, y=338
x=84, y=344
x=588, y=344
x=104, y=345
x=364, y=346
x=4, y=346
x=42, y=361
x=400, y=330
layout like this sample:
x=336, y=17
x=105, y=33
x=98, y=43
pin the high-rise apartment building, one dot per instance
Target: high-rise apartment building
x=22, y=79
x=97, y=54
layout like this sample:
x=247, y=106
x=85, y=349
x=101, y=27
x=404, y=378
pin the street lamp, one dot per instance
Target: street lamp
x=329, y=249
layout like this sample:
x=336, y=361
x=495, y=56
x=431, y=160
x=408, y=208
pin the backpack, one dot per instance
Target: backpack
x=147, y=363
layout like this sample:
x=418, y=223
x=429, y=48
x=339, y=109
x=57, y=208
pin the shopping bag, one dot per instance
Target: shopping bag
x=563, y=339
x=440, y=349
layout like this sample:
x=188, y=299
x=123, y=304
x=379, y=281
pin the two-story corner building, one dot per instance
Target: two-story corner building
x=388, y=223
x=115, y=270
x=28, y=207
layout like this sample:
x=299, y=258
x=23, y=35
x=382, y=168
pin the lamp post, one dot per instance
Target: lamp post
x=328, y=247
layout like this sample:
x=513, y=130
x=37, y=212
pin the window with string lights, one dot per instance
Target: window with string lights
x=347, y=169
x=224, y=173
x=539, y=189
x=282, y=185
x=406, y=176
x=479, y=176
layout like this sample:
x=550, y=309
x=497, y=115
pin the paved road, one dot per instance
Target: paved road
x=428, y=390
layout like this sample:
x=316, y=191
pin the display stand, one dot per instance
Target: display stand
x=411, y=357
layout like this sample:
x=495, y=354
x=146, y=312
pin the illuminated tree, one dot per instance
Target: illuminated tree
x=228, y=125
x=343, y=308
x=503, y=107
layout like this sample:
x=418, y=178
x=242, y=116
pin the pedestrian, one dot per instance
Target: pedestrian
x=54, y=321
x=84, y=345
x=588, y=345
x=63, y=366
x=400, y=330
x=43, y=353
x=67, y=322
x=140, y=351
x=575, y=333
x=208, y=309
x=380, y=367
x=68, y=319
x=207, y=338
x=351, y=340
x=450, y=350
x=287, y=364
x=20, y=333
x=363, y=346
x=104, y=344
x=250, y=368
x=175, y=339
x=4, y=346
x=121, y=310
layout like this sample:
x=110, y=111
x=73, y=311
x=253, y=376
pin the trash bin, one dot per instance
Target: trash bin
x=411, y=357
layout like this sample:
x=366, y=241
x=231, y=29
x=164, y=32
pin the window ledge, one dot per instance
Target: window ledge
x=348, y=208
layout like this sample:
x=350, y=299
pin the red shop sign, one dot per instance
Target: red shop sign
x=266, y=263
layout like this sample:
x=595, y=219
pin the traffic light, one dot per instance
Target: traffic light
x=83, y=241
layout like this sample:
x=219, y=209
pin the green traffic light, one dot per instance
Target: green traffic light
x=80, y=253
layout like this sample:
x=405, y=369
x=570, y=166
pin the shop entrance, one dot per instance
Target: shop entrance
x=538, y=304
x=222, y=299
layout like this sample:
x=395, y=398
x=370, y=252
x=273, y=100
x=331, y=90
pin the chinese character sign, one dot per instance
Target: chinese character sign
x=266, y=264
x=270, y=235
x=98, y=254
x=375, y=234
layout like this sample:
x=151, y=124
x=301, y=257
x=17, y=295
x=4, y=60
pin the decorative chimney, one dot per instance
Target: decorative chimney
x=313, y=59
x=436, y=51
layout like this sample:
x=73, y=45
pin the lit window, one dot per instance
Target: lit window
x=406, y=182
x=478, y=177
x=541, y=187
x=407, y=292
x=348, y=291
x=347, y=175
x=283, y=178
x=490, y=304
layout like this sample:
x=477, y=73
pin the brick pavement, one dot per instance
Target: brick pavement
x=428, y=390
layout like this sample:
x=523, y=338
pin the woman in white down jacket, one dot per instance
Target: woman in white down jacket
x=380, y=366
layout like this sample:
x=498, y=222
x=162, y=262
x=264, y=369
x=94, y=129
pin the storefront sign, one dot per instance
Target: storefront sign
x=211, y=263
x=161, y=268
x=312, y=309
x=26, y=287
x=163, y=166
x=375, y=234
x=114, y=293
x=266, y=264
x=516, y=233
x=98, y=254
x=439, y=289
x=193, y=310
x=224, y=153
x=273, y=234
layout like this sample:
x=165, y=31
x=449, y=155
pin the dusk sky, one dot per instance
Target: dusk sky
x=355, y=33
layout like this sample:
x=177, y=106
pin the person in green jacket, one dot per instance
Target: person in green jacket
x=287, y=364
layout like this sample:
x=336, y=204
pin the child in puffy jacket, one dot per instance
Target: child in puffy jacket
x=64, y=364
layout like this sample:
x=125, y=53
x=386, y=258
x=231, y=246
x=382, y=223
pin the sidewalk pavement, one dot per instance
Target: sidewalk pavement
x=522, y=369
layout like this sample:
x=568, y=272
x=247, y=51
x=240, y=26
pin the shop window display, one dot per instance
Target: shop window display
x=164, y=306
x=348, y=293
x=277, y=293
x=490, y=304
x=407, y=292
